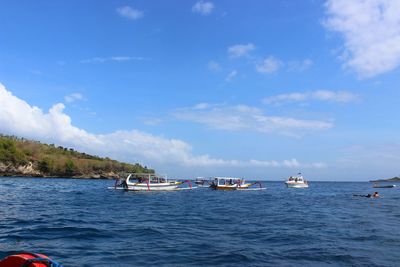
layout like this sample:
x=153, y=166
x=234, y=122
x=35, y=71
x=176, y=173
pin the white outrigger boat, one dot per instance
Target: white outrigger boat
x=148, y=182
x=296, y=182
x=231, y=183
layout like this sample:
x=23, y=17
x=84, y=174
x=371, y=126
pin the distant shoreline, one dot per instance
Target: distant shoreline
x=394, y=179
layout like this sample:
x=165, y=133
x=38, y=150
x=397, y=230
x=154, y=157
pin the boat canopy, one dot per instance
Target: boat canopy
x=227, y=178
x=296, y=178
x=152, y=177
x=145, y=175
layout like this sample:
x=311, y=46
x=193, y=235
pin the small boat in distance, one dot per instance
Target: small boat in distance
x=376, y=185
x=296, y=181
x=147, y=182
x=202, y=182
x=231, y=183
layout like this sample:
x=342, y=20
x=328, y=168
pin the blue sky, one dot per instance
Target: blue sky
x=260, y=89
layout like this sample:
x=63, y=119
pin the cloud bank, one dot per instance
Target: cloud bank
x=17, y=117
x=246, y=118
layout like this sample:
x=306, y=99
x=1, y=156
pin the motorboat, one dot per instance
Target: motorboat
x=148, y=182
x=231, y=183
x=202, y=182
x=383, y=186
x=296, y=181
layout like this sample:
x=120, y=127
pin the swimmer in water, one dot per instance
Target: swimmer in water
x=374, y=195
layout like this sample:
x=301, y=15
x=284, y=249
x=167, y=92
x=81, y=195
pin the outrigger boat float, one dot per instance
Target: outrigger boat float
x=149, y=182
x=231, y=183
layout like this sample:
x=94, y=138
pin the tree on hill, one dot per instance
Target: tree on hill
x=9, y=152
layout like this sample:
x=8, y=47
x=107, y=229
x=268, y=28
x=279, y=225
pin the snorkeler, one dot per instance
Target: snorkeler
x=374, y=195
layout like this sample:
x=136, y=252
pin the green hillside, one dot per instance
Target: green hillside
x=21, y=157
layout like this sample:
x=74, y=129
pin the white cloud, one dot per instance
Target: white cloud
x=231, y=76
x=320, y=95
x=201, y=106
x=113, y=58
x=73, y=97
x=340, y=96
x=371, y=33
x=203, y=8
x=302, y=65
x=272, y=64
x=291, y=97
x=214, y=66
x=246, y=118
x=19, y=118
x=129, y=12
x=36, y=72
x=269, y=65
x=153, y=121
x=240, y=50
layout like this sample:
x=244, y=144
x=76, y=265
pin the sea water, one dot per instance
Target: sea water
x=82, y=223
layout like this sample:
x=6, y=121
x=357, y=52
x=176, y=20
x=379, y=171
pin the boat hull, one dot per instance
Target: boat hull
x=293, y=185
x=384, y=186
x=153, y=187
x=230, y=187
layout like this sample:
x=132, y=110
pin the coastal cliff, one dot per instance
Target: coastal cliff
x=21, y=157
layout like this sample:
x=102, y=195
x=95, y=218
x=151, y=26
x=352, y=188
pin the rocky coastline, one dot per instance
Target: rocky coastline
x=29, y=170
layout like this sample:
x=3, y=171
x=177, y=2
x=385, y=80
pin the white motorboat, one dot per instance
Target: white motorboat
x=148, y=182
x=296, y=181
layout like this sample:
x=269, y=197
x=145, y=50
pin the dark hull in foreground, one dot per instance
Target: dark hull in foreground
x=384, y=186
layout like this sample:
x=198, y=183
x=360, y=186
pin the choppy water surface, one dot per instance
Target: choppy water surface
x=81, y=223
